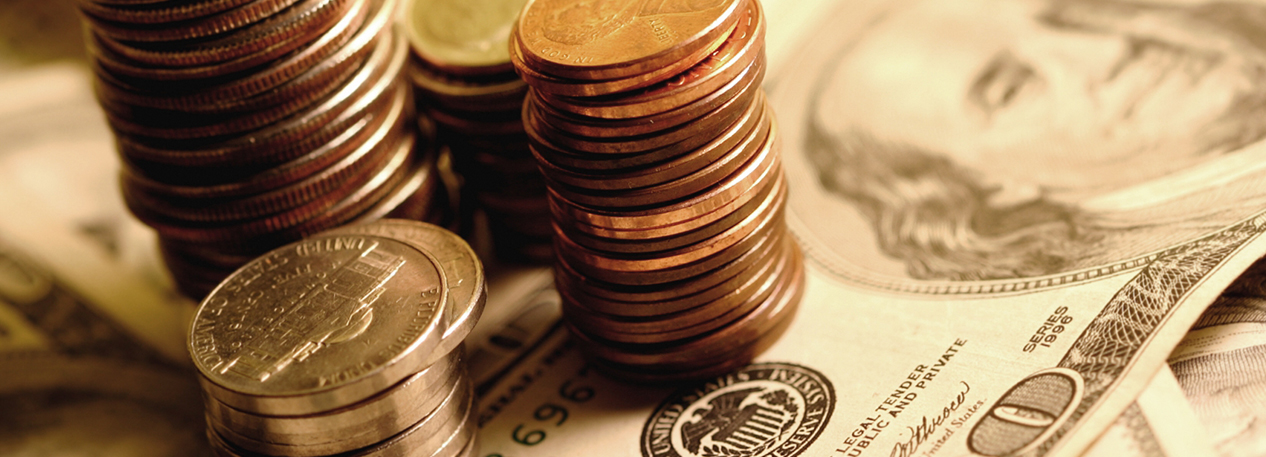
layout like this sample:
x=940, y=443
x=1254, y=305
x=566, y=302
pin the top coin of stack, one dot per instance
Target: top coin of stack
x=665, y=183
x=348, y=342
x=247, y=124
x=465, y=82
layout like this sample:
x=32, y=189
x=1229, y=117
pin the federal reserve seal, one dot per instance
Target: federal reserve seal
x=765, y=409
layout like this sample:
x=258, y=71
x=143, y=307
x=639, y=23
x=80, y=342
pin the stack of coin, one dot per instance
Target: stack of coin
x=244, y=125
x=664, y=178
x=464, y=81
x=347, y=343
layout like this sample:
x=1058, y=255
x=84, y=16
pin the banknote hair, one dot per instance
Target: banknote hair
x=936, y=217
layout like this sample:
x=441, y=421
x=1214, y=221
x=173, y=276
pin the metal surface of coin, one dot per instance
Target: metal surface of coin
x=642, y=223
x=463, y=36
x=717, y=346
x=462, y=270
x=437, y=406
x=608, y=40
x=296, y=419
x=744, y=46
x=652, y=174
x=319, y=314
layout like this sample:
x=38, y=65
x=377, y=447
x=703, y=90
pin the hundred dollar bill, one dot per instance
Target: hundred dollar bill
x=1221, y=365
x=1013, y=211
x=92, y=358
x=1160, y=423
x=522, y=309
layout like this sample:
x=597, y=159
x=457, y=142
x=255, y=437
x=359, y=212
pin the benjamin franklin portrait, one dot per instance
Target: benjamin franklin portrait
x=966, y=140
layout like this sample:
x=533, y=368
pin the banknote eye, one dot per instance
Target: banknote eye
x=1001, y=82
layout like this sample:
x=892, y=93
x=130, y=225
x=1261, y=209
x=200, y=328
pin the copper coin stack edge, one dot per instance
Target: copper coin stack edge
x=355, y=348
x=245, y=125
x=665, y=183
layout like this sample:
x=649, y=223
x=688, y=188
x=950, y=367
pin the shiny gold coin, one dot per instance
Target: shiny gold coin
x=465, y=37
x=613, y=39
x=320, y=314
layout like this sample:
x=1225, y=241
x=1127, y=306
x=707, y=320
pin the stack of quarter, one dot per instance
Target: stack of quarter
x=347, y=343
x=665, y=181
x=464, y=81
x=245, y=125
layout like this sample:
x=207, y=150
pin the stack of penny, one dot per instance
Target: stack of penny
x=347, y=343
x=664, y=178
x=245, y=125
x=464, y=81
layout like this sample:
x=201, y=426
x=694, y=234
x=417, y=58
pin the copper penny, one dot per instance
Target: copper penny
x=714, y=121
x=608, y=40
x=717, y=346
x=651, y=174
x=586, y=88
x=743, y=88
x=568, y=278
x=696, y=318
x=743, y=47
x=671, y=190
x=677, y=264
x=723, y=219
x=641, y=224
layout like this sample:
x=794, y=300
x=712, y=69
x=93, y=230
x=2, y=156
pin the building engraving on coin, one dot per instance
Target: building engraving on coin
x=293, y=308
x=764, y=409
x=337, y=310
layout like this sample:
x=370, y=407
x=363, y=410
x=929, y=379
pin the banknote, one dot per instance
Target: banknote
x=1159, y=423
x=1013, y=211
x=92, y=358
x=1221, y=365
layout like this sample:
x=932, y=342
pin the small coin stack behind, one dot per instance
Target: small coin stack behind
x=665, y=182
x=465, y=82
x=247, y=124
x=347, y=343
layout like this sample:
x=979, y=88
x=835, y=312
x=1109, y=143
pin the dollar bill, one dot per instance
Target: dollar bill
x=1013, y=212
x=92, y=358
x=1160, y=423
x=1221, y=365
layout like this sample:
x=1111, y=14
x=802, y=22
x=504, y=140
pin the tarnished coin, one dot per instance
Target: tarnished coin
x=613, y=39
x=462, y=270
x=467, y=37
x=319, y=314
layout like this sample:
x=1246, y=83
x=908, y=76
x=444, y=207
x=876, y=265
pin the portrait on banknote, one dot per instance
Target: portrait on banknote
x=980, y=140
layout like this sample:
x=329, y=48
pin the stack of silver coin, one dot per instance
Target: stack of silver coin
x=347, y=343
x=463, y=79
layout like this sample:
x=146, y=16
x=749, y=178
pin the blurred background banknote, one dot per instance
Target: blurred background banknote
x=962, y=300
